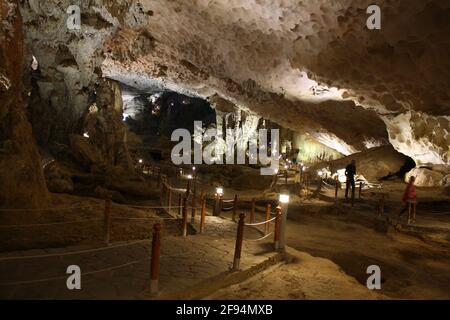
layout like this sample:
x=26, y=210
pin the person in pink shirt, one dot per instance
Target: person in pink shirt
x=410, y=201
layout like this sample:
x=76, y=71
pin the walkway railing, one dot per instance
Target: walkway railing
x=167, y=193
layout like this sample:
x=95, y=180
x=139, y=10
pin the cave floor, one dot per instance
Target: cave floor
x=414, y=260
x=332, y=245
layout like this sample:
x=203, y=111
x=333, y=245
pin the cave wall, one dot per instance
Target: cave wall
x=22, y=183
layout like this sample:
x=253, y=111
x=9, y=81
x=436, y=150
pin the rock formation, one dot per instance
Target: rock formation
x=22, y=183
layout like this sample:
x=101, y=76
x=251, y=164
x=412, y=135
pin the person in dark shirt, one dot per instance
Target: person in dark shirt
x=350, y=172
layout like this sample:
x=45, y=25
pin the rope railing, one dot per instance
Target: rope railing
x=15, y=283
x=240, y=233
x=166, y=198
x=48, y=209
x=262, y=238
x=48, y=224
x=260, y=223
x=62, y=254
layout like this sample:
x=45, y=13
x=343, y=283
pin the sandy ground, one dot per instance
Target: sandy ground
x=304, y=277
x=414, y=265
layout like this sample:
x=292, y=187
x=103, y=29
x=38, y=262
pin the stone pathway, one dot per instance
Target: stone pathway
x=123, y=270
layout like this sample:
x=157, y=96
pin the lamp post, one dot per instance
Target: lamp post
x=217, y=205
x=284, y=201
x=188, y=187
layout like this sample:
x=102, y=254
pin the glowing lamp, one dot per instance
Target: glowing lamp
x=319, y=173
x=193, y=168
x=219, y=191
x=189, y=177
x=284, y=198
x=140, y=161
x=86, y=135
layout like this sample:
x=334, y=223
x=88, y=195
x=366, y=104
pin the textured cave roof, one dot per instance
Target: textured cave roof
x=264, y=56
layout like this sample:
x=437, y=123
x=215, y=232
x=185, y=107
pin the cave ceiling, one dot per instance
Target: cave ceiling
x=311, y=66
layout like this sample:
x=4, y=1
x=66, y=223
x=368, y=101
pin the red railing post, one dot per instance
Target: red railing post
x=239, y=238
x=156, y=251
x=235, y=207
x=107, y=220
x=169, y=201
x=360, y=190
x=184, y=217
x=203, y=215
x=268, y=209
x=179, y=204
x=277, y=227
x=336, y=188
x=194, y=203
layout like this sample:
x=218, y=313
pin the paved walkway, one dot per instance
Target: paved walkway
x=122, y=271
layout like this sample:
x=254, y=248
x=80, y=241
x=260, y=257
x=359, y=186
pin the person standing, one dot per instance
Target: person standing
x=350, y=172
x=410, y=201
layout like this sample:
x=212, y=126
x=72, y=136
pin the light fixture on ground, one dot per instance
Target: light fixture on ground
x=284, y=202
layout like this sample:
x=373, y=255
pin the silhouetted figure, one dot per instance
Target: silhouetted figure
x=410, y=201
x=350, y=172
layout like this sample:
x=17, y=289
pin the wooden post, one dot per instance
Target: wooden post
x=360, y=189
x=184, y=217
x=268, y=208
x=336, y=188
x=188, y=187
x=307, y=184
x=156, y=252
x=179, y=204
x=239, y=238
x=169, y=201
x=220, y=205
x=252, y=213
x=194, y=203
x=203, y=215
x=277, y=227
x=216, y=204
x=285, y=176
x=108, y=220
x=235, y=207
